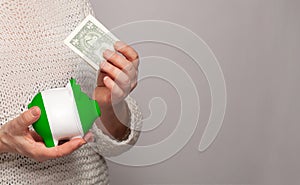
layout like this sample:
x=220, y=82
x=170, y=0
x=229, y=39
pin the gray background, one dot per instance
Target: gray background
x=257, y=44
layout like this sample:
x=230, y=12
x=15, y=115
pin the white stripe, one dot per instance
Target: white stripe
x=79, y=126
x=62, y=115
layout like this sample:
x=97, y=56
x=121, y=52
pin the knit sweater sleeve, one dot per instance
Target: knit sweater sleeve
x=103, y=144
x=106, y=146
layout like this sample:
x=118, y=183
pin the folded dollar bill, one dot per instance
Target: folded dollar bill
x=90, y=39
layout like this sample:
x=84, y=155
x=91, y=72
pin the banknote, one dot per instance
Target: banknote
x=90, y=39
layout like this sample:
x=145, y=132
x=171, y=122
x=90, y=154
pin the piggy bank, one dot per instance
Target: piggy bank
x=66, y=113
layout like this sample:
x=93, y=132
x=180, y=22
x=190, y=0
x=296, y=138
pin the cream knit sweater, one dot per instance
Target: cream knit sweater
x=34, y=58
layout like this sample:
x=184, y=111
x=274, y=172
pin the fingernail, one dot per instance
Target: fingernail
x=108, y=53
x=105, y=78
x=119, y=44
x=35, y=111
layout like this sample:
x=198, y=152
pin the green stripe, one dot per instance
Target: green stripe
x=88, y=109
x=42, y=126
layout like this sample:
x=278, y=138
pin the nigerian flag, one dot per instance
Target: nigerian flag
x=66, y=113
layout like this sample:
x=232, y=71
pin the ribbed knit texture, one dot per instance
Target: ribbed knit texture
x=34, y=58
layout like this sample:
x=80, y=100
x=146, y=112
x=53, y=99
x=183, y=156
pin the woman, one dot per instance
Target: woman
x=34, y=58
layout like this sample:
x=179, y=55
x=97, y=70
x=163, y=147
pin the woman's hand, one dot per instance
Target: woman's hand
x=116, y=79
x=15, y=137
x=117, y=76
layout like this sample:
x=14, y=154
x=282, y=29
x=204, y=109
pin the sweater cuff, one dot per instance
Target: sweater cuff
x=106, y=146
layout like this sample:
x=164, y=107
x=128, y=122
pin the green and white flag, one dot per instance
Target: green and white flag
x=66, y=113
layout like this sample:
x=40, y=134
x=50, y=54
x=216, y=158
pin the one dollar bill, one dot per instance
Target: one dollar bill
x=90, y=39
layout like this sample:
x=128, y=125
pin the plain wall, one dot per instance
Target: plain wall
x=257, y=44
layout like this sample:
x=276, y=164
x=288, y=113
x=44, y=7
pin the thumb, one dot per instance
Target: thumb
x=28, y=117
x=100, y=78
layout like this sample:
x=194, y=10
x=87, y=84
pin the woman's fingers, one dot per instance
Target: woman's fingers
x=26, y=119
x=116, y=91
x=40, y=152
x=115, y=73
x=116, y=59
x=100, y=77
x=66, y=148
x=117, y=68
x=118, y=74
x=121, y=62
x=128, y=52
x=35, y=136
x=17, y=138
x=109, y=95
